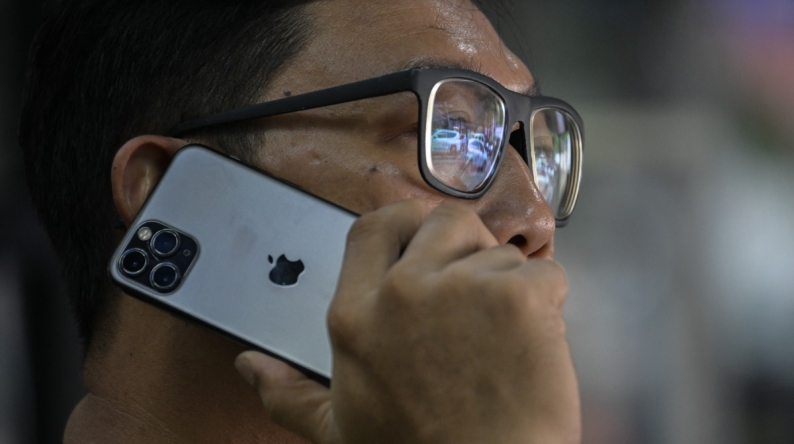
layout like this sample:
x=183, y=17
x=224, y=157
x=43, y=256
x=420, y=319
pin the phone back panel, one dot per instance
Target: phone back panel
x=242, y=221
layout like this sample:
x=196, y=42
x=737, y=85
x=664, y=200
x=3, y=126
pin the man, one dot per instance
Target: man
x=447, y=323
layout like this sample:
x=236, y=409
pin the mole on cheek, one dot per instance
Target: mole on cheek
x=315, y=157
x=373, y=169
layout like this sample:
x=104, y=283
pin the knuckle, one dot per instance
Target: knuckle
x=397, y=285
x=457, y=271
x=541, y=290
x=342, y=328
x=365, y=227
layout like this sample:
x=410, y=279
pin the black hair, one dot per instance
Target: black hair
x=104, y=71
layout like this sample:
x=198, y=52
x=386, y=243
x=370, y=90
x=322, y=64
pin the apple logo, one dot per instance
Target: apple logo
x=285, y=272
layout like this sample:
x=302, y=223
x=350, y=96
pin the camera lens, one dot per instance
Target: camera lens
x=165, y=243
x=164, y=276
x=134, y=261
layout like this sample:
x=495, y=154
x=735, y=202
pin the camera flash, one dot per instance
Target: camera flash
x=145, y=234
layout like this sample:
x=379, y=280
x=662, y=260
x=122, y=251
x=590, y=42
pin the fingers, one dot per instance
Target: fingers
x=427, y=241
x=452, y=231
x=292, y=400
x=500, y=258
x=431, y=241
x=374, y=244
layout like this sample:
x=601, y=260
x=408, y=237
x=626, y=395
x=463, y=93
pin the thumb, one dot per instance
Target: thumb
x=292, y=400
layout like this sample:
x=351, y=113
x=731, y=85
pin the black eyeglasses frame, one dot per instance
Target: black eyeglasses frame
x=519, y=109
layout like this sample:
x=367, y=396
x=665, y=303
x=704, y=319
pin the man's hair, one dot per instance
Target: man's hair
x=104, y=71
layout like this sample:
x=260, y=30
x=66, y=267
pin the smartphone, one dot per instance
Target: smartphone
x=241, y=252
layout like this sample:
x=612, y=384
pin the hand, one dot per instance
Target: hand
x=456, y=340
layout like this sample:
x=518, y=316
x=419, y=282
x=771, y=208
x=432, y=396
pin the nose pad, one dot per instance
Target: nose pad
x=515, y=211
x=518, y=140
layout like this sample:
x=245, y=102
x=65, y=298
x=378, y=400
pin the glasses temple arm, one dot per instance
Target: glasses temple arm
x=379, y=86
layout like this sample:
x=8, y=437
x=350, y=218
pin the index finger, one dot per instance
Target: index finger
x=451, y=232
x=374, y=244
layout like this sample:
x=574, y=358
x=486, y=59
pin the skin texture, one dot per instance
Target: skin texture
x=461, y=339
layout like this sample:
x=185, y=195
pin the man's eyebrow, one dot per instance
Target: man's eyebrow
x=426, y=62
x=532, y=90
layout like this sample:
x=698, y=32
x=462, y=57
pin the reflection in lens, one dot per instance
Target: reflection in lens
x=133, y=262
x=465, y=133
x=164, y=276
x=165, y=242
x=553, y=143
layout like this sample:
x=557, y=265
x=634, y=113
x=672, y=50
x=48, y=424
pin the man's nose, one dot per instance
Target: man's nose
x=515, y=211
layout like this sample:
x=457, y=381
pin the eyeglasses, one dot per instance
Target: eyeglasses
x=465, y=122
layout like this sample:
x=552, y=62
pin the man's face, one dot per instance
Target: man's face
x=363, y=155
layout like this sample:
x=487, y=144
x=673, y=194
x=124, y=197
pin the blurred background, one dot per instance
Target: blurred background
x=680, y=254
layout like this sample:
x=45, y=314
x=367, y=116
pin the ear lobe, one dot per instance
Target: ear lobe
x=138, y=166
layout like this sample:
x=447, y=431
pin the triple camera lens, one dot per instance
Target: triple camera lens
x=151, y=260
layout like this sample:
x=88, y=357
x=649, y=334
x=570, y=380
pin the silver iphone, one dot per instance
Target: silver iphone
x=238, y=251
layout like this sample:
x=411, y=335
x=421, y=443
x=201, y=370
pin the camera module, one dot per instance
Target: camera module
x=156, y=259
x=165, y=243
x=133, y=261
x=164, y=276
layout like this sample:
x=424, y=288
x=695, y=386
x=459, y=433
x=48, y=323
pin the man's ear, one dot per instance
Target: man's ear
x=137, y=168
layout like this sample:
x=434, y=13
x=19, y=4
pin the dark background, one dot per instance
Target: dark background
x=679, y=255
x=39, y=352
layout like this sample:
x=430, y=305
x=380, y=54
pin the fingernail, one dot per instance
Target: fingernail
x=246, y=369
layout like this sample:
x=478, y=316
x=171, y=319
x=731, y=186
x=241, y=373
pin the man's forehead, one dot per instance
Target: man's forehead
x=358, y=39
x=526, y=88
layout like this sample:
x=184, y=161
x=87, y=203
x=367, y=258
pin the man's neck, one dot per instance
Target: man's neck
x=158, y=379
x=99, y=420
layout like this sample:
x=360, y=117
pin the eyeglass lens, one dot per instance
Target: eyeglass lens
x=465, y=133
x=553, y=139
x=466, y=130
